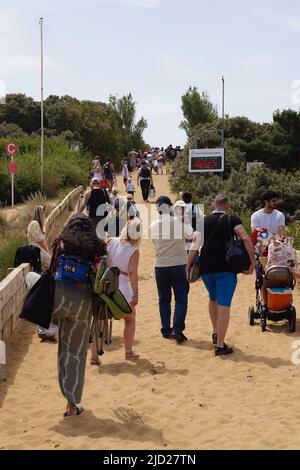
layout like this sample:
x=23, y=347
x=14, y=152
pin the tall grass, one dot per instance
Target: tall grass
x=26, y=214
x=8, y=248
x=13, y=232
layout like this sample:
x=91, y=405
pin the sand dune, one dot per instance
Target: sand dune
x=175, y=397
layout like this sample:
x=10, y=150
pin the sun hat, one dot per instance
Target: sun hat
x=179, y=203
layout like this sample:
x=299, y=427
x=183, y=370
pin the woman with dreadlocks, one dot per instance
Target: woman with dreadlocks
x=73, y=306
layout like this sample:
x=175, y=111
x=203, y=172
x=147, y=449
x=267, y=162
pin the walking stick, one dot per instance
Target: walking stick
x=101, y=333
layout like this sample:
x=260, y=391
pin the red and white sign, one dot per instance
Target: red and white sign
x=12, y=168
x=11, y=149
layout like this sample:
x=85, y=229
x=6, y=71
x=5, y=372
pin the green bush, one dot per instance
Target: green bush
x=62, y=168
x=244, y=189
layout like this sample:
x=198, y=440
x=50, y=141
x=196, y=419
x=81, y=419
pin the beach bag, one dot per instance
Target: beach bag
x=29, y=254
x=106, y=286
x=152, y=191
x=194, y=272
x=237, y=256
x=39, y=302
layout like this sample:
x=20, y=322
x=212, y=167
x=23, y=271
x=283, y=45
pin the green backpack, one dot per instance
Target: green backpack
x=106, y=286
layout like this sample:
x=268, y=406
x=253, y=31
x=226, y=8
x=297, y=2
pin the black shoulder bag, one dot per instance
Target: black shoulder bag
x=237, y=256
x=39, y=302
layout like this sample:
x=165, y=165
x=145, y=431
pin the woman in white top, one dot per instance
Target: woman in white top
x=123, y=252
x=125, y=173
x=36, y=235
x=96, y=169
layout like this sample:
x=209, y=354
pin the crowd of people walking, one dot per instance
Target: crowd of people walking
x=181, y=236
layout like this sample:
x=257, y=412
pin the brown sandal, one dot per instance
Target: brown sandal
x=131, y=356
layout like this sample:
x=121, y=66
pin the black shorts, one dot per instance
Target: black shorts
x=125, y=180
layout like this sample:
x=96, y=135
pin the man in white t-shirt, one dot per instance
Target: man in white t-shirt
x=269, y=217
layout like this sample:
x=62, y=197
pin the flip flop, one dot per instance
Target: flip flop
x=79, y=410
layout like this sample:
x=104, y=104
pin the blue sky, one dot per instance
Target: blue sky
x=156, y=49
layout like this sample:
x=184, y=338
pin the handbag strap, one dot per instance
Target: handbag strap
x=54, y=260
x=233, y=235
x=231, y=232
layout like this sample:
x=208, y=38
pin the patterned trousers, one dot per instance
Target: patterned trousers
x=73, y=312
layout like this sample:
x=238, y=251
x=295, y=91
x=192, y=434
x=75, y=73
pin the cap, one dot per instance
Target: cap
x=164, y=200
x=95, y=178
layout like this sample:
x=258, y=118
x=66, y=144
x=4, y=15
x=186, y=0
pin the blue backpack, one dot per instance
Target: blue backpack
x=73, y=271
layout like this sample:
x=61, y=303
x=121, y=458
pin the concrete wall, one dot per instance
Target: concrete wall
x=13, y=287
x=60, y=215
x=298, y=280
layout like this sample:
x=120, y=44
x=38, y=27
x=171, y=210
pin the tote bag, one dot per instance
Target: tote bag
x=39, y=302
x=237, y=256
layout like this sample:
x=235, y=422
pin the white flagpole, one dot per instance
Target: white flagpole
x=42, y=108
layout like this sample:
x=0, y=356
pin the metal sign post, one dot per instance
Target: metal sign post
x=223, y=113
x=11, y=151
x=12, y=185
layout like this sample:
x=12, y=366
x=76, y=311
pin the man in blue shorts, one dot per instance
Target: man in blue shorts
x=219, y=280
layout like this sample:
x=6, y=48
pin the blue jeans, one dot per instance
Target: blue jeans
x=166, y=280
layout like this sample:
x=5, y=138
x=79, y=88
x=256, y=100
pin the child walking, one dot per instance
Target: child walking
x=130, y=187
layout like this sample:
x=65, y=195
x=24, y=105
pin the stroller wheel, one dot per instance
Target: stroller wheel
x=292, y=320
x=251, y=316
x=263, y=320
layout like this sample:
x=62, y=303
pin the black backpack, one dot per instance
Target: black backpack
x=106, y=168
x=145, y=172
x=29, y=254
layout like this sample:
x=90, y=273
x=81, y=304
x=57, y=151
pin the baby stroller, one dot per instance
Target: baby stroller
x=274, y=284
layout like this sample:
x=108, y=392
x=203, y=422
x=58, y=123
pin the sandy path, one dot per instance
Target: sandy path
x=175, y=397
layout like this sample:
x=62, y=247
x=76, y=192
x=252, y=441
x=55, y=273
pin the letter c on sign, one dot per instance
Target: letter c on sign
x=11, y=149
